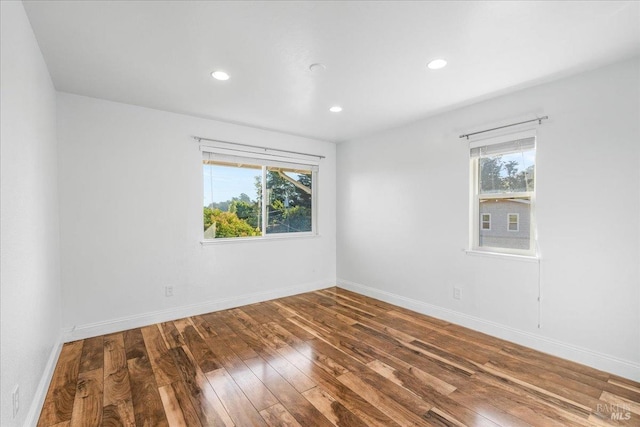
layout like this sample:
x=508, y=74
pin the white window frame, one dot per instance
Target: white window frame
x=517, y=222
x=266, y=158
x=475, y=226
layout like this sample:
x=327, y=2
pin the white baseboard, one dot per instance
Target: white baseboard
x=604, y=362
x=43, y=386
x=144, y=319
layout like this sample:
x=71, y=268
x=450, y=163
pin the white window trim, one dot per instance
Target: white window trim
x=266, y=238
x=474, y=201
x=502, y=255
x=507, y=137
x=225, y=148
x=517, y=222
x=259, y=159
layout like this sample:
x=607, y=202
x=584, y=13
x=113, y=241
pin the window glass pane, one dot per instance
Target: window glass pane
x=507, y=173
x=513, y=222
x=289, y=195
x=231, y=200
x=504, y=233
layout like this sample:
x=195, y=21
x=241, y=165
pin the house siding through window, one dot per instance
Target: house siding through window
x=499, y=236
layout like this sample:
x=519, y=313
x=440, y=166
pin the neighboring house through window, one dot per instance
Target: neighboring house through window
x=503, y=194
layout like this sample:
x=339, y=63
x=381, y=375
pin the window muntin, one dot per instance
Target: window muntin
x=503, y=188
x=246, y=197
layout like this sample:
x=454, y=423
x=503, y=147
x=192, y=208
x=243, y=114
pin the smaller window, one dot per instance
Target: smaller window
x=514, y=222
x=502, y=169
x=486, y=221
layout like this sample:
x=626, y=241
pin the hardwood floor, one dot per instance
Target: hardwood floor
x=325, y=358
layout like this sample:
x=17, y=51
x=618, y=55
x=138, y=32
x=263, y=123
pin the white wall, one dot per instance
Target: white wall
x=131, y=220
x=403, y=204
x=30, y=262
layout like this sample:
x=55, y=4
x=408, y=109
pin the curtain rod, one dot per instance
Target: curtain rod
x=539, y=120
x=199, y=139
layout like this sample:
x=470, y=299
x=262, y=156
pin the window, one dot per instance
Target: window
x=486, y=221
x=503, y=194
x=251, y=197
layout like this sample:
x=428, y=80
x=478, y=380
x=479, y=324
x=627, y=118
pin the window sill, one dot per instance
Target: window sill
x=524, y=258
x=223, y=241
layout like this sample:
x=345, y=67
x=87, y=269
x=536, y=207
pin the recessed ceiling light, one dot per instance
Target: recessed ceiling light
x=436, y=64
x=335, y=109
x=220, y=75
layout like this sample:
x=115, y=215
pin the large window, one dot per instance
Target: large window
x=251, y=197
x=503, y=194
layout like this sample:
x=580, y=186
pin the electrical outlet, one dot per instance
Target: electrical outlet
x=168, y=291
x=15, y=397
x=457, y=293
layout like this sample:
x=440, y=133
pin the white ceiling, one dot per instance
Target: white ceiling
x=160, y=54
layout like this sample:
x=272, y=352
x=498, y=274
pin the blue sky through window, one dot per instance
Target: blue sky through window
x=523, y=159
x=222, y=183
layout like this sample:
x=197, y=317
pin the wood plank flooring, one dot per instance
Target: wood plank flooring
x=326, y=358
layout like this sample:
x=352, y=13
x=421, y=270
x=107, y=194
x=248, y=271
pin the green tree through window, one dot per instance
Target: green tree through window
x=287, y=205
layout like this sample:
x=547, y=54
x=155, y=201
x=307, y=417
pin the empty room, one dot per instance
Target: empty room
x=320, y=213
